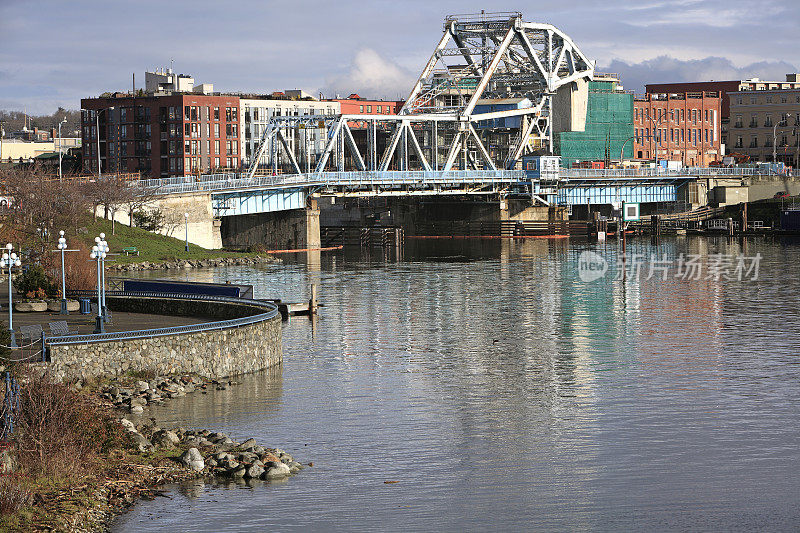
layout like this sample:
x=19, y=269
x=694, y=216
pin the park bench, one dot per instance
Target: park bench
x=30, y=333
x=131, y=250
x=59, y=328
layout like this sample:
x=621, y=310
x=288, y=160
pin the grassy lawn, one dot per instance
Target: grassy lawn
x=152, y=247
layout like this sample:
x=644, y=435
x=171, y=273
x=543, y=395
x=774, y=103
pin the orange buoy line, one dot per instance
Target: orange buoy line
x=297, y=250
x=487, y=237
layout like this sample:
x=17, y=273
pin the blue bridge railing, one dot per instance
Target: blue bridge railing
x=270, y=310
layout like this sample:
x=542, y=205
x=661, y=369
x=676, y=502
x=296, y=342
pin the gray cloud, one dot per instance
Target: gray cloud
x=371, y=76
x=664, y=69
x=375, y=47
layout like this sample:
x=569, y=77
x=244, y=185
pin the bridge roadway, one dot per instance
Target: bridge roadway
x=215, y=202
x=231, y=181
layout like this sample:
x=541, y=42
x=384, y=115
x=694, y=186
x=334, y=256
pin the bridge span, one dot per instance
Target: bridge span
x=290, y=202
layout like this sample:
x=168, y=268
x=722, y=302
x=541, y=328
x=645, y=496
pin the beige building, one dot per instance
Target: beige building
x=12, y=150
x=257, y=112
x=764, y=122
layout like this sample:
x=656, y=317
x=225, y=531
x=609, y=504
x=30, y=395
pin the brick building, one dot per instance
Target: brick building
x=724, y=88
x=355, y=105
x=161, y=135
x=683, y=127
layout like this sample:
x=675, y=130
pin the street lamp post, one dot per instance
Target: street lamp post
x=775, y=137
x=8, y=260
x=186, y=230
x=98, y=254
x=622, y=150
x=656, y=137
x=102, y=245
x=62, y=245
x=59, y=146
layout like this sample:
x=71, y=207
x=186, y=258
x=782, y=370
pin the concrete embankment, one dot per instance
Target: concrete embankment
x=241, y=337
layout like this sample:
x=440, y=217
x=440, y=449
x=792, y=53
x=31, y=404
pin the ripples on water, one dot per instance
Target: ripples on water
x=503, y=393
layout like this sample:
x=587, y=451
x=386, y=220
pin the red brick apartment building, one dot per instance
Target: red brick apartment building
x=161, y=135
x=355, y=105
x=724, y=88
x=683, y=127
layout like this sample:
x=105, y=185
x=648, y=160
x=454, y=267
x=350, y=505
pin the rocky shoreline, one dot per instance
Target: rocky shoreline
x=134, y=396
x=215, y=453
x=194, y=263
x=160, y=456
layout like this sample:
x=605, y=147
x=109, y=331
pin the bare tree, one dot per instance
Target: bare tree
x=112, y=192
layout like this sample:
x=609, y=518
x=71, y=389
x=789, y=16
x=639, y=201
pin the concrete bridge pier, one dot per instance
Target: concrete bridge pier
x=280, y=230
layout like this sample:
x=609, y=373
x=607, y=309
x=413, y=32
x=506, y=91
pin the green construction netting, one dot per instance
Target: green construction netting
x=609, y=123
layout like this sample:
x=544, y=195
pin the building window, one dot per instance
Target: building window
x=361, y=109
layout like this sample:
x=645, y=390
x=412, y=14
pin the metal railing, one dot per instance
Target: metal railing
x=270, y=311
x=659, y=172
x=234, y=181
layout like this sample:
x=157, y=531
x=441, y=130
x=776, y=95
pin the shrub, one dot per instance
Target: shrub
x=13, y=495
x=35, y=280
x=81, y=273
x=59, y=432
x=150, y=220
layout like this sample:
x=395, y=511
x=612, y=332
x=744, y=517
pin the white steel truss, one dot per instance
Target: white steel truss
x=483, y=100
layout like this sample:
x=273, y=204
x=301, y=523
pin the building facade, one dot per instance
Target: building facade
x=257, y=112
x=161, y=135
x=724, y=88
x=355, y=105
x=602, y=134
x=765, y=125
x=683, y=127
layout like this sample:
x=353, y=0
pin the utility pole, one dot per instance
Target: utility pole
x=59, y=147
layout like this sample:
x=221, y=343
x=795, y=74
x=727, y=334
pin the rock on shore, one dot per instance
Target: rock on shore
x=135, y=396
x=194, y=263
x=215, y=453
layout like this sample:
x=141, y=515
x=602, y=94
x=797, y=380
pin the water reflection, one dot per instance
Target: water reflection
x=501, y=391
x=255, y=396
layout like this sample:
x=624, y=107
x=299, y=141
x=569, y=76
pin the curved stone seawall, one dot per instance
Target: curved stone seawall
x=214, y=353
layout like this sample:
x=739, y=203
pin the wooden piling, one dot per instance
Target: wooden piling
x=312, y=303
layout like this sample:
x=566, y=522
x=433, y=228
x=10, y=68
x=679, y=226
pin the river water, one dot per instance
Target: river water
x=501, y=392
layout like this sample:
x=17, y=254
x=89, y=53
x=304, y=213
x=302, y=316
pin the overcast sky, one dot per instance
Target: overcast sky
x=55, y=52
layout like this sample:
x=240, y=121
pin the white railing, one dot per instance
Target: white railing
x=661, y=172
x=231, y=181
x=234, y=181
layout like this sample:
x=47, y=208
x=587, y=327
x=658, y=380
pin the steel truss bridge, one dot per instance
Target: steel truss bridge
x=483, y=101
x=238, y=193
x=446, y=123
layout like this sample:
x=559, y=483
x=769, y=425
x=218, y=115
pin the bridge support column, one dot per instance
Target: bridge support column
x=293, y=229
x=313, y=239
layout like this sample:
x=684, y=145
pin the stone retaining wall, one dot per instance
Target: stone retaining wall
x=218, y=353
